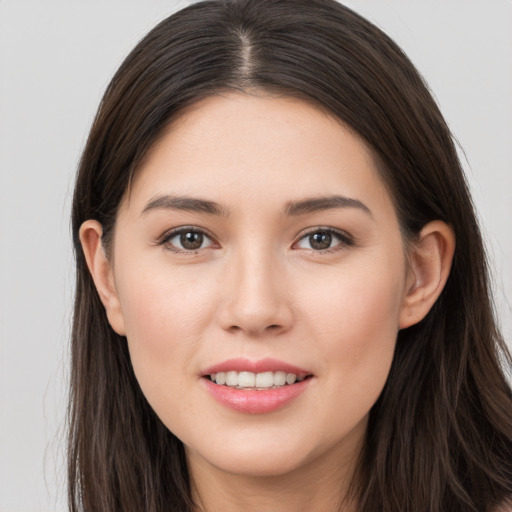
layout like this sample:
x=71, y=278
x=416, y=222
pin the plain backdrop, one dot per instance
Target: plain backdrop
x=56, y=58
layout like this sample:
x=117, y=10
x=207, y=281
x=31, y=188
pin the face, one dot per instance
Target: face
x=258, y=245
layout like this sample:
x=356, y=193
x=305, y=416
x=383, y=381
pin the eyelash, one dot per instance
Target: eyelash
x=164, y=241
x=345, y=240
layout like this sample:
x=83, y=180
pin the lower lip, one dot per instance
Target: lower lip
x=256, y=401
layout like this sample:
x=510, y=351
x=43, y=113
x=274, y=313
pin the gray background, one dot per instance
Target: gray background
x=56, y=58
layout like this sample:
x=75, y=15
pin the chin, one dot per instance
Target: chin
x=249, y=458
x=258, y=467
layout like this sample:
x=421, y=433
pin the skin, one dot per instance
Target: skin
x=257, y=288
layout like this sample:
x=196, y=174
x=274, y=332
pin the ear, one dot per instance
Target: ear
x=430, y=260
x=101, y=272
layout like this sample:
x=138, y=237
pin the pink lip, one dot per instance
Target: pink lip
x=255, y=401
x=263, y=365
x=252, y=401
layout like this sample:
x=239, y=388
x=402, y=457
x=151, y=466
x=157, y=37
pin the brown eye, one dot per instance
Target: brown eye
x=325, y=240
x=320, y=240
x=191, y=240
x=187, y=240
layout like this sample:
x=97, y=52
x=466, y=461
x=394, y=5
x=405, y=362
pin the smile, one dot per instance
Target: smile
x=255, y=387
x=258, y=381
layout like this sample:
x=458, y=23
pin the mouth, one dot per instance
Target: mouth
x=256, y=387
x=256, y=381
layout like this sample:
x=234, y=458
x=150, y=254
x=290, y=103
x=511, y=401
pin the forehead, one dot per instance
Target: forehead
x=237, y=145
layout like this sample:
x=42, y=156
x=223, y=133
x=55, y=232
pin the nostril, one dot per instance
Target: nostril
x=273, y=327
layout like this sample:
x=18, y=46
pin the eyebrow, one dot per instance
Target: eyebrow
x=184, y=203
x=292, y=208
x=316, y=204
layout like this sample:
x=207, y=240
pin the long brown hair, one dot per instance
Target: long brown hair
x=440, y=435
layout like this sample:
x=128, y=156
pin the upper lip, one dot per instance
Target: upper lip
x=262, y=365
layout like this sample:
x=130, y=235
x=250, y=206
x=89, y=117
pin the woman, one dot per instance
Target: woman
x=282, y=300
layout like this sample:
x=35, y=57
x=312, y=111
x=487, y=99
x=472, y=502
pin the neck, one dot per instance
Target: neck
x=322, y=484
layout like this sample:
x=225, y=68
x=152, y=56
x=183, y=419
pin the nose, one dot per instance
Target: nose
x=256, y=301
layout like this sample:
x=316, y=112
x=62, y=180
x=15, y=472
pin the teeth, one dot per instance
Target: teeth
x=263, y=380
x=279, y=379
x=247, y=380
x=232, y=378
x=290, y=378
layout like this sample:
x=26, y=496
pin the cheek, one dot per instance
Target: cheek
x=355, y=322
x=357, y=298
x=163, y=308
x=166, y=316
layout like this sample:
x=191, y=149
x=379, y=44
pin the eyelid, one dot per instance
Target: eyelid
x=164, y=239
x=346, y=240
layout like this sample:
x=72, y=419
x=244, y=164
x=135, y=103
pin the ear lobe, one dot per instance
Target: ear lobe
x=430, y=261
x=101, y=272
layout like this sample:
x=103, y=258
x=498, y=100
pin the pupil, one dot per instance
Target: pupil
x=191, y=240
x=320, y=240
